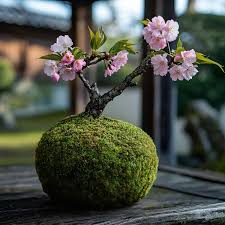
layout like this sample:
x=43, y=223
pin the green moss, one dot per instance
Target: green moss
x=96, y=163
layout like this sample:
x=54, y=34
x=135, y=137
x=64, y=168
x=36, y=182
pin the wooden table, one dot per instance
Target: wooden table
x=178, y=197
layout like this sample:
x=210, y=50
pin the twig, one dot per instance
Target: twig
x=127, y=82
x=85, y=82
x=96, y=105
x=92, y=89
x=94, y=60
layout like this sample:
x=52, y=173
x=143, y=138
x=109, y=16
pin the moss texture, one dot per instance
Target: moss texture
x=96, y=163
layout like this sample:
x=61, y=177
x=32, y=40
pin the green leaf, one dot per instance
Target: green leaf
x=179, y=50
x=122, y=45
x=97, y=39
x=91, y=33
x=92, y=37
x=103, y=37
x=179, y=47
x=78, y=53
x=179, y=43
x=145, y=22
x=55, y=57
x=201, y=59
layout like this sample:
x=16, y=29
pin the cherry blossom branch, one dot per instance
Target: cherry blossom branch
x=96, y=105
x=92, y=60
x=180, y=64
x=85, y=82
x=92, y=89
x=127, y=82
x=96, y=61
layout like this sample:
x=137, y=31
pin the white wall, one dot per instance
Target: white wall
x=126, y=107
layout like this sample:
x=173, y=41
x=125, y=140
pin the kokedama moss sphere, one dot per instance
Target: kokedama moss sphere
x=96, y=163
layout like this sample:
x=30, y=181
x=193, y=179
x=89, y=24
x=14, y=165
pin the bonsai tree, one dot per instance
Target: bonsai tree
x=94, y=161
x=68, y=63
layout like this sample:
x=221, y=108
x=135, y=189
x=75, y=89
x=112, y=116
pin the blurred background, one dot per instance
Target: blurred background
x=186, y=119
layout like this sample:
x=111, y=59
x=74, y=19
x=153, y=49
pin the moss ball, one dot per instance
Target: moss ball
x=96, y=163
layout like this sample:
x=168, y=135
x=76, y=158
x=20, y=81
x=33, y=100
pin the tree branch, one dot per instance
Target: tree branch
x=96, y=105
x=85, y=82
x=97, y=60
x=127, y=82
x=92, y=89
x=92, y=61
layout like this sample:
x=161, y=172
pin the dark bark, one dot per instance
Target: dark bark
x=98, y=102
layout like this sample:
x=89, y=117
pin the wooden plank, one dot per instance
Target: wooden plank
x=202, y=175
x=159, y=206
x=175, y=199
x=191, y=186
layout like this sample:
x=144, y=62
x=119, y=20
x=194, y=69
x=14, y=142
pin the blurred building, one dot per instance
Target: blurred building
x=26, y=35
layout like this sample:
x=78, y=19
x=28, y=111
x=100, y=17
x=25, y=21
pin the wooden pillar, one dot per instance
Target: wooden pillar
x=159, y=101
x=81, y=19
x=151, y=84
x=168, y=103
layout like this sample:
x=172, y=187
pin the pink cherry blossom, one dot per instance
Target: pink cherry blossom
x=109, y=71
x=177, y=72
x=189, y=56
x=170, y=30
x=117, y=61
x=147, y=33
x=157, y=43
x=153, y=36
x=62, y=44
x=68, y=58
x=55, y=77
x=67, y=73
x=157, y=25
x=120, y=59
x=50, y=67
x=158, y=32
x=190, y=71
x=160, y=65
x=78, y=65
x=178, y=58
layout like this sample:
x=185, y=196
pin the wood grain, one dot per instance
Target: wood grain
x=175, y=199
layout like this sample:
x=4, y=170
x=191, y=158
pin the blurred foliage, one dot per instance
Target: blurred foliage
x=22, y=94
x=7, y=75
x=17, y=147
x=205, y=33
